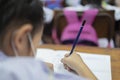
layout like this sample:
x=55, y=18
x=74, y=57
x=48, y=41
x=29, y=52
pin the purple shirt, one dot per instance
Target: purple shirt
x=27, y=68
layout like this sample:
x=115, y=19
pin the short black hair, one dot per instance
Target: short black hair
x=30, y=11
x=97, y=2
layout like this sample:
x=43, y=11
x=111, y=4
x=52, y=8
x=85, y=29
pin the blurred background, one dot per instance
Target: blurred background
x=104, y=30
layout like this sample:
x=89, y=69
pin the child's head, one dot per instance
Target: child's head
x=94, y=3
x=18, y=18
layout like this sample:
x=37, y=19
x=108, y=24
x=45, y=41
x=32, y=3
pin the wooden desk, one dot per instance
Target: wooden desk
x=115, y=55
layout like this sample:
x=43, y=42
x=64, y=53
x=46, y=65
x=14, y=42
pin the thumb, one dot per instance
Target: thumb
x=66, y=55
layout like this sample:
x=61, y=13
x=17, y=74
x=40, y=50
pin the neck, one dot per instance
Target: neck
x=6, y=46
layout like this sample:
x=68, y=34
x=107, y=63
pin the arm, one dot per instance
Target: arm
x=75, y=63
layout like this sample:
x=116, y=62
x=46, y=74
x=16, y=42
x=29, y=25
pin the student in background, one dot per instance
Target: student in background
x=115, y=7
x=53, y=4
x=82, y=5
x=92, y=3
x=21, y=26
x=73, y=2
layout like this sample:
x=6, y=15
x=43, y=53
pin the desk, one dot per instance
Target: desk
x=115, y=55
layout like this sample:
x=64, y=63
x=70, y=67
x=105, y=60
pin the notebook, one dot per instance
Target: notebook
x=100, y=65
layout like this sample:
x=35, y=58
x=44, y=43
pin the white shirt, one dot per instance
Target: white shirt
x=26, y=68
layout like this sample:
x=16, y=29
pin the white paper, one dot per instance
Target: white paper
x=99, y=64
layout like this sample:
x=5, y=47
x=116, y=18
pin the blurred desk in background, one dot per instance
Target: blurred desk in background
x=114, y=53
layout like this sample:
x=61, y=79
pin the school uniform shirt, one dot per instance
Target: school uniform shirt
x=26, y=68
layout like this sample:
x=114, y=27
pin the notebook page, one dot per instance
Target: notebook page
x=54, y=57
x=98, y=64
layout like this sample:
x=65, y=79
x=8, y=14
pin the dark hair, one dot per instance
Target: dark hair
x=96, y=3
x=23, y=11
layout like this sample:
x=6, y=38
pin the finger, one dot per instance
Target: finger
x=66, y=55
x=63, y=60
x=65, y=66
x=71, y=70
x=73, y=53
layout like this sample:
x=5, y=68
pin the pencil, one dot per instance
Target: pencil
x=78, y=35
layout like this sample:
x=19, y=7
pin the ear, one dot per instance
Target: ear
x=21, y=39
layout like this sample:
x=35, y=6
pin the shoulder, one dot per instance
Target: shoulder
x=22, y=68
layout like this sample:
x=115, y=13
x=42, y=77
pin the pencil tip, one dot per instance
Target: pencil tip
x=83, y=22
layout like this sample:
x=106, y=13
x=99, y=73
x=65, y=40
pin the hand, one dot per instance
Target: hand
x=74, y=63
x=71, y=62
x=50, y=66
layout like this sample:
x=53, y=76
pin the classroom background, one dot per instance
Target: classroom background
x=104, y=28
